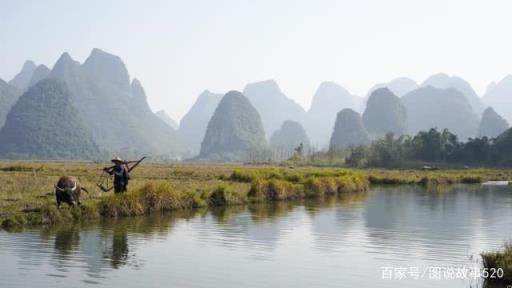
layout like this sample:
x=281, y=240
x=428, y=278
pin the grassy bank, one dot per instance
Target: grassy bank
x=436, y=177
x=27, y=198
x=499, y=259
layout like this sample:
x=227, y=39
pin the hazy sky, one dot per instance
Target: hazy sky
x=180, y=48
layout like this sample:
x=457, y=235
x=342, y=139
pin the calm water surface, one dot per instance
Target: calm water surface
x=343, y=242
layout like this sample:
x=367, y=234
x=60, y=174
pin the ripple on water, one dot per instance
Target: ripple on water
x=293, y=246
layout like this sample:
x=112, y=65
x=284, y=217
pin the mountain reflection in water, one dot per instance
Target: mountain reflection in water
x=329, y=242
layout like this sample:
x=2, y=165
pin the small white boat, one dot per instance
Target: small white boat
x=496, y=183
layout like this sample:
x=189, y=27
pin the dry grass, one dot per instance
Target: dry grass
x=27, y=197
x=443, y=177
x=499, y=259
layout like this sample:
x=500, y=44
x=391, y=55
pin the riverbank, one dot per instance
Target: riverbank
x=27, y=197
x=501, y=259
x=438, y=229
x=436, y=177
x=27, y=193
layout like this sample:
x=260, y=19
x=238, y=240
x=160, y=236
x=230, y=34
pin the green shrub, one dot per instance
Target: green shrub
x=225, y=195
x=293, y=177
x=163, y=197
x=331, y=185
x=313, y=187
x=127, y=204
x=239, y=176
x=257, y=191
x=274, y=190
x=198, y=198
x=281, y=190
x=471, y=179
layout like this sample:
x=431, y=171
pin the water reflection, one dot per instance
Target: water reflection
x=67, y=239
x=118, y=254
x=100, y=246
x=311, y=239
x=437, y=225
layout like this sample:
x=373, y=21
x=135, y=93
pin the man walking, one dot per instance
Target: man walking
x=121, y=175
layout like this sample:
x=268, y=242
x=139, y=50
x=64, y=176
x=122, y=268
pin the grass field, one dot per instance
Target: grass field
x=27, y=193
x=429, y=177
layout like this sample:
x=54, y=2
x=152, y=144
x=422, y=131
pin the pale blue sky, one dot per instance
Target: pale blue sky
x=180, y=48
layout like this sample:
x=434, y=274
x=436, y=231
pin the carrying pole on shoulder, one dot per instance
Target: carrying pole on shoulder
x=136, y=164
x=103, y=181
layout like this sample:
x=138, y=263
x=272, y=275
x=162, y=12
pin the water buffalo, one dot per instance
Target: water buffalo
x=68, y=190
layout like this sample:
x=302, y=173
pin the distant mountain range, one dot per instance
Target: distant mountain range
x=9, y=94
x=444, y=81
x=430, y=107
x=167, y=119
x=328, y=100
x=399, y=86
x=113, y=108
x=193, y=125
x=275, y=108
x=499, y=97
x=492, y=124
x=44, y=124
x=22, y=80
x=273, y=105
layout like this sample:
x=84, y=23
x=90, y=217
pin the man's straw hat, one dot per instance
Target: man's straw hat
x=117, y=160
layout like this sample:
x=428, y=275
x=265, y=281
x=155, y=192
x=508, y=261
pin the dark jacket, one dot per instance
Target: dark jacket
x=121, y=177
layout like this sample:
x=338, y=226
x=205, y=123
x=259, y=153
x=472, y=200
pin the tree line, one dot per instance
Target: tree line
x=432, y=146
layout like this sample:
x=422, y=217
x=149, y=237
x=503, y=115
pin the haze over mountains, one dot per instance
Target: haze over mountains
x=499, y=96
x=113, y=108
x=385, y=113
x=234, y=131
x=273, y=106
x=44, y=124
x=430, y=107
x=9, y=94
x=399, y=86
x=328, y=100
x=24, y=77
x=349, y=130
x=492, y=124
x=167, y=119
x=193, y=125
x=444, y=81
x=289, y=137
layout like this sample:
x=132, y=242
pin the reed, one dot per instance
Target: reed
x=499, y=260
x=436, y=177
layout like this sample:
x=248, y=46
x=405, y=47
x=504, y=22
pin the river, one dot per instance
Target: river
x=389, y=237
